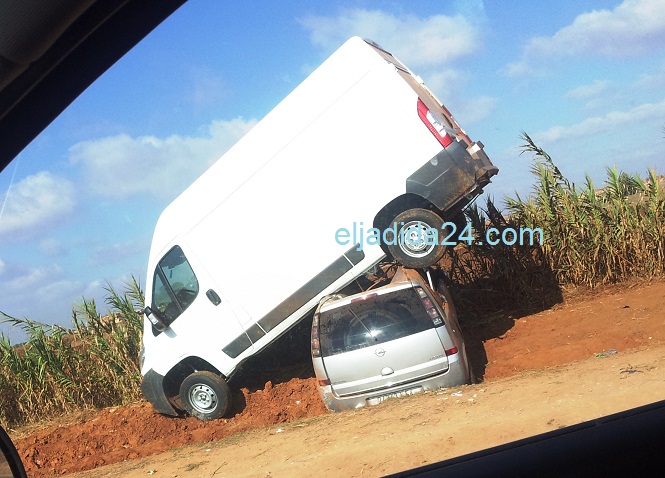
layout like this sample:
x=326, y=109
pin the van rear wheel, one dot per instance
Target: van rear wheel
x=418, y=241
x=205, y=395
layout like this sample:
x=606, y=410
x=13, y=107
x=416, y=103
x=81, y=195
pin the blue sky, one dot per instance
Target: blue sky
x=77, y=207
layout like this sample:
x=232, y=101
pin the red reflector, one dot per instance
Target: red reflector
x=428, y=120
x=452, y=351
x=325, y=382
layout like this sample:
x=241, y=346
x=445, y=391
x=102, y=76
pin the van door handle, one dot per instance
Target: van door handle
x=214, y=298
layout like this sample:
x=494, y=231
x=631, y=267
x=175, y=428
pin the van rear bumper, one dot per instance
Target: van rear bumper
x=152, y=387
x=454, y=177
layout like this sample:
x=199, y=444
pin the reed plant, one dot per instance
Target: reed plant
x=492, y=281
x=57, y=370
x=595, y=236
x=590, y=237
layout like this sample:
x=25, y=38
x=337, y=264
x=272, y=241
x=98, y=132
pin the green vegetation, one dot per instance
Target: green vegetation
x=591, y=237
x=59, y=370
x=595, y=236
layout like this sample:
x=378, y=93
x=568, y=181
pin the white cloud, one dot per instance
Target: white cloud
x=652, y=81
x=475, y=110
x=632, y=28
x=418, y=42
x=3, y=266
x=41, y=293
x=36, y=202
x=595, y=97
x=430, y=46
x=112, y=253
x=123, y=166
x=614, y=121
x=31, y=279
x=56, y=290
x=208, y=88
x=51, y=247
x=445, y=80
x=584, y=92
x=95, y=287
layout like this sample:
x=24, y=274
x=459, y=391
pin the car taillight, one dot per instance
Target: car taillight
x=430, y=307
x=452, y=351
x=434, y=125
x=315, y=344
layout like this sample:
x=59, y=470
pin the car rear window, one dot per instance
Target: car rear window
x=372, y=321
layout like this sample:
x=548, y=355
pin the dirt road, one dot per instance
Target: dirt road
x=597, y=354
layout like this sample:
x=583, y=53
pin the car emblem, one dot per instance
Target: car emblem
x=380, y=352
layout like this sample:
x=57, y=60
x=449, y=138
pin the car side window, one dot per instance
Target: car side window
x=175, y=285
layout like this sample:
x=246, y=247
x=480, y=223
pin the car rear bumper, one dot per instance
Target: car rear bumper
x=457, y=374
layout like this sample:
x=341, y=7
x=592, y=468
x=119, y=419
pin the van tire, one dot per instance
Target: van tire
x=205, y=395
x=420, y=252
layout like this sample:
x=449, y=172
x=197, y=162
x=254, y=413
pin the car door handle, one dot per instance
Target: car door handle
x=387, y=371
x=213, y=297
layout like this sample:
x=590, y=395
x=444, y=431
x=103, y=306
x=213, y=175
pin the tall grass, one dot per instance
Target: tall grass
x=492, y=281
x=595, y=236
x=58, y=370
x=590, y=237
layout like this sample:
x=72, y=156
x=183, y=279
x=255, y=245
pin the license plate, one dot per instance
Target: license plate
x=402, y=393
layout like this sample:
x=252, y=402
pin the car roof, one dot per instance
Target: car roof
x=52, y=50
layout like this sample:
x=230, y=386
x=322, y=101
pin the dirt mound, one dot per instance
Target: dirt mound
x=119, y=434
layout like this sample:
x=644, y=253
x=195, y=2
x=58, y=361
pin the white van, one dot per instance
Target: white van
x=352, y=166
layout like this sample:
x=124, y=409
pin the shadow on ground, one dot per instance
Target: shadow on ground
x=488, y=308
x=287, y=358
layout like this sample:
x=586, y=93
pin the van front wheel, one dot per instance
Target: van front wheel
x=205, y=395
x=413, y=238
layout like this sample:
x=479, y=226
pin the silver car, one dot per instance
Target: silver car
x=399, y=339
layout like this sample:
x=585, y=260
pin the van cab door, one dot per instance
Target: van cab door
x=200, y=321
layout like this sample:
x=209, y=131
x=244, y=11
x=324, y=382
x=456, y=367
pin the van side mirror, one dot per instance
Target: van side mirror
x=154, y=319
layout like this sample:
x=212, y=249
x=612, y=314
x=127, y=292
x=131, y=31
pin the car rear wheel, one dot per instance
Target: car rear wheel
x=418, y=241
x=205, y=395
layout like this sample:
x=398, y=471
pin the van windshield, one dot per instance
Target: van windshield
x=373, y=321
x=174, y=285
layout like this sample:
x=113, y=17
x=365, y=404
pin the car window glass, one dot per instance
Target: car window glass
x=373, y=321
x=174, y=286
